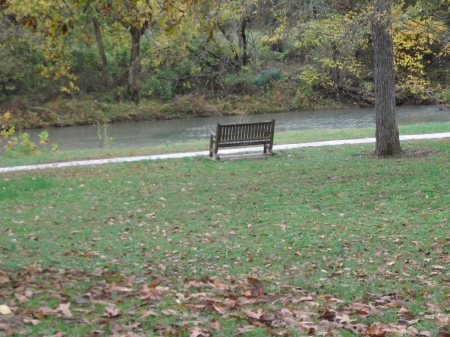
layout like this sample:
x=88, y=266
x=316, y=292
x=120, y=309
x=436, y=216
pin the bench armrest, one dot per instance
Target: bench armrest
x=212, y=133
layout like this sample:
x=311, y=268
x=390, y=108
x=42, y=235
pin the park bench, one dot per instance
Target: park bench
x=242, y=134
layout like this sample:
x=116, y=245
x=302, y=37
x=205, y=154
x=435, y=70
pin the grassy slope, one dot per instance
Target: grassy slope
x=331, y=234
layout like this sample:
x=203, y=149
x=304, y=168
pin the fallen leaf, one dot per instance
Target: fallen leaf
x=170, y=312
x=121, y=290
x=58, y=334
x=258, y=287
x=425, y=333
x=146, y=313
x=215, y=324
x=253, y=314
x=111, y=311
x=245, y=329
x=64, y=309
x=344, y=319
x=31, y=321
x=43, y=311
x=219, y=307
x=5, y=310
x=21, y=298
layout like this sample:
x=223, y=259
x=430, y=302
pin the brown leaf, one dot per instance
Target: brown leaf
x=31, y=321
x=344, y=319
x=121, y=290
x=306, y=299
x=271, y=299
x=21, y=298
x=197, y=332
x=64, y=309
x=43, y=311
x=170, y=312
x=328, y=315
x=258, y=285
x=442, y=320
x=146, y=313
x=253, y=314
x=111, y=311
x=425, y=333
x=59, y=334
x=245, y=329
x=405, y=313
x=375, y=331
x=150, y=293
x=215, y=324
x=219, y=307
x=4, y=279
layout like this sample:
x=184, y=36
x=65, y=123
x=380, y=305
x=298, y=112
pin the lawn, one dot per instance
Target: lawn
x=319, y=241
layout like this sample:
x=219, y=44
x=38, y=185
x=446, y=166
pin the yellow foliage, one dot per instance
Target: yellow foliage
x=413, y=38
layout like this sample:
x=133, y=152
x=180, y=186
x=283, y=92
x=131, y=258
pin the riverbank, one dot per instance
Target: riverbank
x=98, y=110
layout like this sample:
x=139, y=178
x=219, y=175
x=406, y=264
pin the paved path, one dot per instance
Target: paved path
x=206, y=153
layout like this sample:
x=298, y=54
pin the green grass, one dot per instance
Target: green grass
x=289, y=137
x=314, y=226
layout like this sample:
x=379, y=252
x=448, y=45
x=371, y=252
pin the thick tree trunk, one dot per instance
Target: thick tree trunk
x=101, y=52
x=133, y=75
x=386, y=134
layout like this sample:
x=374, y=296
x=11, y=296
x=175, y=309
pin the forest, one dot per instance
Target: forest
x=72, y=62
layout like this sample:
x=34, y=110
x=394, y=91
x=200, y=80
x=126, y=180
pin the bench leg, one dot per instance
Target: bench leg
x=213, y=155
x=268, y=148
x=211, y=146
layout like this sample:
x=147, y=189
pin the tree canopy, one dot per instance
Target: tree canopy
x=287, y=54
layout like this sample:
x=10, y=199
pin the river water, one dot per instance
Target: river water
x=139, y=134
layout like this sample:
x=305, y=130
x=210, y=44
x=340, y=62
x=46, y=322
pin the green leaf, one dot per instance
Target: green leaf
x=170, y=30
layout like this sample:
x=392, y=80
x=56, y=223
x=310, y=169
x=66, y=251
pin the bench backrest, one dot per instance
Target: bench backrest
x=243, y=131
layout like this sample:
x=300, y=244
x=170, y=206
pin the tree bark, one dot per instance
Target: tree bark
x=101, y=52
x=386, y=133
x=243, y=38
x=133, y=75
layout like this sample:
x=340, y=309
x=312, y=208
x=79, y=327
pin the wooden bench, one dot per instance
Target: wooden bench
x=242, y=134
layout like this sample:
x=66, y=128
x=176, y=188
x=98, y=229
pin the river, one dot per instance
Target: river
x=139, y=134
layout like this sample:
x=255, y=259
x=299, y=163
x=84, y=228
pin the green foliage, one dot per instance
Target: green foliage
x=22, y=145
x=154, y=87
x=265, y=76
x=321, y=51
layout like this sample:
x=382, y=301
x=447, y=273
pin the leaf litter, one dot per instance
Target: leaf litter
x=199, y=307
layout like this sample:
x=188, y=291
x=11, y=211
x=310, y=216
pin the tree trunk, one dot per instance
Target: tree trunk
x=133, y=75
x=386, y=133
x=244, y=41
x=101, y=52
